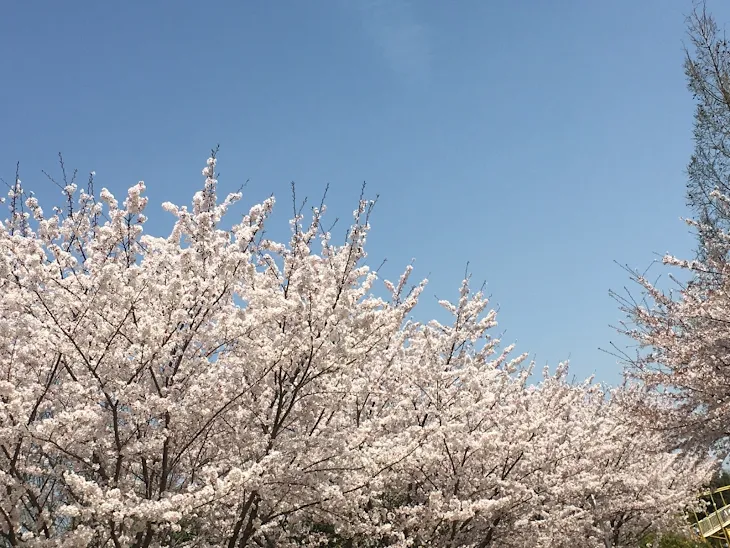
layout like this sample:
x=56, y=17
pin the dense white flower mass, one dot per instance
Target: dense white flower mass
x=215, y=388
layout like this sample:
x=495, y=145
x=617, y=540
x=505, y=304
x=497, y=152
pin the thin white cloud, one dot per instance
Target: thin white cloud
x=402, y=39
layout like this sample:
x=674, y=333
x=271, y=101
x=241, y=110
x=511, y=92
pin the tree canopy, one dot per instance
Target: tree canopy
x=212, y=387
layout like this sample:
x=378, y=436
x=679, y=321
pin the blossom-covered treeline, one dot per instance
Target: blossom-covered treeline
x=215, y=388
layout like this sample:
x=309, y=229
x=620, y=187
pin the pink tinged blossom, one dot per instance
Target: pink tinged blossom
x=232, y=390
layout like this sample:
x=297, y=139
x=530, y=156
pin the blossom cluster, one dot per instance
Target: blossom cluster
x=685, y=335
x=216, y=388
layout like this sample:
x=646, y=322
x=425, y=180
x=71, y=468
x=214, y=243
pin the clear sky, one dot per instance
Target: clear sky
x=540, y=141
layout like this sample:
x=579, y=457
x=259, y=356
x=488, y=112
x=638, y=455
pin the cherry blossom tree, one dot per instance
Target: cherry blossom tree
x=216, y=388
x=555, y=464
x=686, y=339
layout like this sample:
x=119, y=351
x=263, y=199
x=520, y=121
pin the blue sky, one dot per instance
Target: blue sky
x=540, y=141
